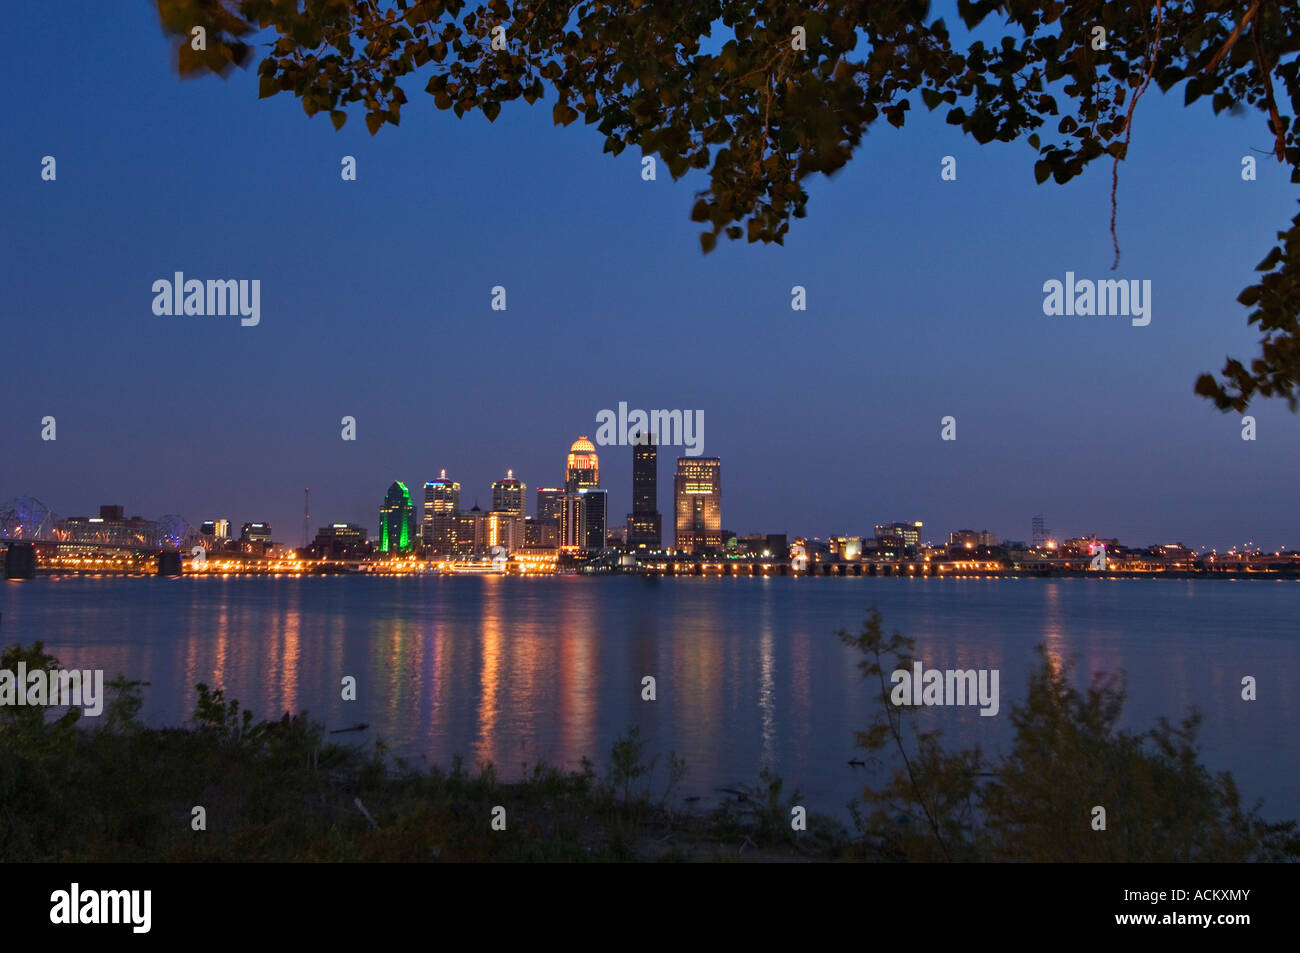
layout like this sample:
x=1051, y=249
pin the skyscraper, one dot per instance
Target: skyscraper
x=582, y=469
x=550, y=503
x=1040, y=533
x=441, y=504
x=573, y=521
x=595, y=516
x=510, y=496
x=697, y=492
x=396, y=520
x=644, y=527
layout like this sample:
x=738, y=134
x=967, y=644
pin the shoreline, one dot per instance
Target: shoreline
x=1180, y=574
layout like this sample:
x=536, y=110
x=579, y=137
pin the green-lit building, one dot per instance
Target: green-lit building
x=397, y=520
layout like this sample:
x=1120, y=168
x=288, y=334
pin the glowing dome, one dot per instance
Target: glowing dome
x=582, y=468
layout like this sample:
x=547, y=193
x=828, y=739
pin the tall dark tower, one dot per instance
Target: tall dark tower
x=643, y=523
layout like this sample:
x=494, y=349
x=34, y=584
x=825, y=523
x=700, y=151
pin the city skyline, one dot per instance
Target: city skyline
x=924, y=300
x=422, y=525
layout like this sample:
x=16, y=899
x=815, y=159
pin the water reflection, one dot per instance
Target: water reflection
x=748, y=672
x=767, y=683
x=1053, y=626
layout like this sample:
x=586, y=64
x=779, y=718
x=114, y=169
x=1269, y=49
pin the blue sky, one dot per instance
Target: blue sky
x=924, y=300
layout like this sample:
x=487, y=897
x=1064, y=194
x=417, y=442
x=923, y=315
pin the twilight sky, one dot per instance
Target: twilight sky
x=924, y=300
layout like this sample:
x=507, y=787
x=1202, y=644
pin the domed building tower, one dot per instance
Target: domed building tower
x=582, y=470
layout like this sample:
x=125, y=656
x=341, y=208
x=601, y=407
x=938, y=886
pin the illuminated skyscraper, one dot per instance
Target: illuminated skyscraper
x=510, y=496
x=644, y=528
x=396, y=520
x=582, y=469
x=573, y=521
x=697, y=492
x=441, y=504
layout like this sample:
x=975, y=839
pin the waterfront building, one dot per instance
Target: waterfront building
x=697, y=494
x=900, y=533
x=573, y=522
x=582, y=467
x=550, y=504
x=510, y=496
x=595, y=516
x=441, y=504
x=396, y=520
x=216, y=531
x=847, y=548
x=111, y=528
x=542, y=533
x=340, y=541
x=506, y=530
x=644, y=524
x=255, y=533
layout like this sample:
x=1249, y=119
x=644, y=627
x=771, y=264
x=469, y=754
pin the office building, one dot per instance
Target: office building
x=216, y=530
x=582, y=467
x=441, y=509
x=510, y=496
x=255, y=533
x=847, y=548
x=542, y=534
x=441, y=503
x=550, y=504
x=594, y=517
x=969, y=539
x=340, y=541
x=573, y=522
x=644, y=527
x=505, y=530
x=697, y=496
x=900, y=533
x=396, y=520
x=111, y=528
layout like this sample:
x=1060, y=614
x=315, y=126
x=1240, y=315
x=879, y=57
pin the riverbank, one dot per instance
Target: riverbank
x=227, y=789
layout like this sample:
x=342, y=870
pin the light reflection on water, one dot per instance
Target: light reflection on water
x=748, y=671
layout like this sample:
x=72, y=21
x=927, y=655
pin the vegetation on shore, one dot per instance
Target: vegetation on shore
x=1038, y=801
x=280, y=791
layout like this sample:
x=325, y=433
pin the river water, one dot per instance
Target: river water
x=747, y=672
